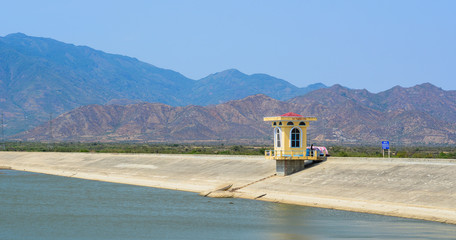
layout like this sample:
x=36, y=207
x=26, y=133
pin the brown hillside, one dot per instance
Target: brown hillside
x=423, y=114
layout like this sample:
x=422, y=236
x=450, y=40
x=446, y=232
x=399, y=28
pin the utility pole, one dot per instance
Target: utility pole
x=51, y=138
x=25, y=122
x=325, y=130
x=3, y=136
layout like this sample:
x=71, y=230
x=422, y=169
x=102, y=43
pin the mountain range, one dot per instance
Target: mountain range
x=42, y=76
x=96, y=96
x=406, y=116
x=423, y=114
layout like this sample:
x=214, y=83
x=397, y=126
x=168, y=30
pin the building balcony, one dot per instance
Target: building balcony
x=315, y=155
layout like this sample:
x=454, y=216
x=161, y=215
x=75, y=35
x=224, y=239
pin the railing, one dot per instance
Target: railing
x=294, y=154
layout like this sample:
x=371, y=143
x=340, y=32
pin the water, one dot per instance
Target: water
x=38, y=206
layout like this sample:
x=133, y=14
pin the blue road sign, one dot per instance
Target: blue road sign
x=385, y=145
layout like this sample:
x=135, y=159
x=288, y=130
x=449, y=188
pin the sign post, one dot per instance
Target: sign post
x=386, y=145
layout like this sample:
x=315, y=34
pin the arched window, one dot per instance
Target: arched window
x=302, y=124
x=277, y=136
x=295, y=138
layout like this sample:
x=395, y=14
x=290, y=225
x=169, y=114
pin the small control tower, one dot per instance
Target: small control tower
x=290, y=143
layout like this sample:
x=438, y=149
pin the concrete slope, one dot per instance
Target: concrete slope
x=414, y=188
x=194, y=173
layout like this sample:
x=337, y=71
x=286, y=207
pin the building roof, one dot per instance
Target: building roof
x=291, y=114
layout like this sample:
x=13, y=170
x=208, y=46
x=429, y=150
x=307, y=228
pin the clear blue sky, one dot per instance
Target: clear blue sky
x=359, y=44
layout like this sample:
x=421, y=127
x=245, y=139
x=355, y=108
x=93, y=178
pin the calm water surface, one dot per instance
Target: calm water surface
x=38, y=206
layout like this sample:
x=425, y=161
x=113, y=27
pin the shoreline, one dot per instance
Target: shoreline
x=352, y=205
x=410, y=188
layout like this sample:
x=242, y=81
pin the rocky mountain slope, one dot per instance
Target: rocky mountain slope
x=423, y=114
x=344, y=117
x=42, y=76
x=159, y=122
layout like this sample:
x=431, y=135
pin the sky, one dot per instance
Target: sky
x=375, y=44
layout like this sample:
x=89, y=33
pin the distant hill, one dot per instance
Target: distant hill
x=423, y=114
x=234, y=120
x=39, y=76
x=42, y=76
x=233, y=84
x=345, y=116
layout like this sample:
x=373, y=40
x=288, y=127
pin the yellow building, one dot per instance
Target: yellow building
x=290, y=143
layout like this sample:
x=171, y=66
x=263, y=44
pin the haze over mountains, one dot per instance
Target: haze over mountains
x=40, y=76
x=110, y=97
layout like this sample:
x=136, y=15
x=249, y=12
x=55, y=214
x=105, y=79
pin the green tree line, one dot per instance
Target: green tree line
x=175, y=148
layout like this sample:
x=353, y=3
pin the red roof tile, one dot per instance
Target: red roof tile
x=291, y=114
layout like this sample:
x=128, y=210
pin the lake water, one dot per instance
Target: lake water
x=38, y=206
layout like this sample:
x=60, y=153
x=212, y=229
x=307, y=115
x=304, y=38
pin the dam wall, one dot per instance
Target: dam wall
x=413, y=188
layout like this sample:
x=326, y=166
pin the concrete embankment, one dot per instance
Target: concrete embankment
x=414, y=188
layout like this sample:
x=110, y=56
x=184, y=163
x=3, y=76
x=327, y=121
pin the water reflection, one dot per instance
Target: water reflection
x=296, y=222
x=290, y=222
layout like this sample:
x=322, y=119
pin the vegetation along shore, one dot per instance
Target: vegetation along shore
x=224, y=149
